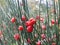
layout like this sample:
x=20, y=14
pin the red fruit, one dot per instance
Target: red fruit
x=29, y=29
x=38, y=17
x=23, y=18
x=38, y=43
x=43, y=27
x=27, y=23
x=32, y=21
x=53, y=43
x=52, y=21
x=13, y=19
x=20, y=28
x=28, y=40
x=41, y=19
x=43, y=36
x=16, y=36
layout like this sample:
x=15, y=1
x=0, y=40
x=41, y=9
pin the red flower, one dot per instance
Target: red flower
x=29, y=29
x=53, y=43
x=16, y=36
x=43, y=36
x=38, y=43
x=43, y=27
x=20, y=28
x=13, y=19
x=23, y=18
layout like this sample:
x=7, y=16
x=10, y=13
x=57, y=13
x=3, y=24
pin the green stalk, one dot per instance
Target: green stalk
x=59, y=14
x=47, y=20
x=39, y=7
x=48, y=31
x=27, y=10
x=39, y=20
x=40, y=15
x=1, y=42
x=59, y=6
x=59, y=21
x=25, y=7
x=57, y=36
x=19, y=10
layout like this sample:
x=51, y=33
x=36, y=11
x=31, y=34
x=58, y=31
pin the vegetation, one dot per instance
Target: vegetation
x=29, y=22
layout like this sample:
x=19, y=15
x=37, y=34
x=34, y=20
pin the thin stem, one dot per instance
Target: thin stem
x=57, y=37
